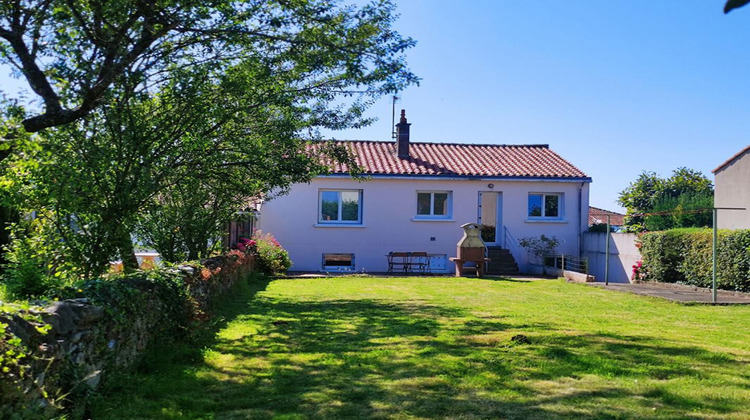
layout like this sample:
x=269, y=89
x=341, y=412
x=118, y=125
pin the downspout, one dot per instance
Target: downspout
x=580, y=219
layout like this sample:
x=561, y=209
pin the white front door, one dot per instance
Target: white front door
x=490, y=217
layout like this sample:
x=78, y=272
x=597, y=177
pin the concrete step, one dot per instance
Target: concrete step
x=501, y=262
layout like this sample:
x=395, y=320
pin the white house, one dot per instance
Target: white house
x=732, y=190
x=417, y=197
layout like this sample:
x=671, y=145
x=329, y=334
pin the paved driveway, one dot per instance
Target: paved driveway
x=679, y=292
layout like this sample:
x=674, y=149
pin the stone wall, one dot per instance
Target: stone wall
x=74, y=343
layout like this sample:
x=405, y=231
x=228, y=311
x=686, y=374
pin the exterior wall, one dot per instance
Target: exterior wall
x=623, y=254
x=389, y=224
x=732, y=189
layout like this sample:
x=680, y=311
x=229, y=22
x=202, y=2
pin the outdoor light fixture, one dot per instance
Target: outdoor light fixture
x=490, y=186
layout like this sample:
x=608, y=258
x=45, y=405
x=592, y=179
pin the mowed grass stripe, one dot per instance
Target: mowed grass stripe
x=419, y=348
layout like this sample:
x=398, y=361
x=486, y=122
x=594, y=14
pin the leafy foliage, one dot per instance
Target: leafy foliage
x=685, y=256
x=138, y=308
x=207, y=106
x=540, y=247
x=271, y=257
x=36, y=266
x=73, y=53
x=16, y=377
x=686, y=210
x=186, y=222
x=679, y=198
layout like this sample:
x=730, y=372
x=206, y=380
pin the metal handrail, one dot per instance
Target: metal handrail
x=511, y=244
x=571, y=263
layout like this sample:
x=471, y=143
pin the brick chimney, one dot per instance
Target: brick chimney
x=402, y=130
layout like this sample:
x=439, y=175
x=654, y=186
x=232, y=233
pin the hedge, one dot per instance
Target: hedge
x=685, y=256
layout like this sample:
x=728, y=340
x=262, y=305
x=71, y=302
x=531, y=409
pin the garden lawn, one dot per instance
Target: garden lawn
x=423, y=348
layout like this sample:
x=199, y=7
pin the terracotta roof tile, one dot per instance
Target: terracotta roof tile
x=597, y=215
x=446, y=159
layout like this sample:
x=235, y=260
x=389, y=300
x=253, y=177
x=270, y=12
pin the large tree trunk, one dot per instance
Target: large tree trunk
x=127, y=253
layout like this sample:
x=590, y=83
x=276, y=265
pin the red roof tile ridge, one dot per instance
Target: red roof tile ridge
x=412, y=142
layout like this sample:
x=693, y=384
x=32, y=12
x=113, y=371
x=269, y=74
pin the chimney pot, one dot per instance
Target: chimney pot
x=402, y=128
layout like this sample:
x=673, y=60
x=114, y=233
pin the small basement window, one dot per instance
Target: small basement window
x=338, y=262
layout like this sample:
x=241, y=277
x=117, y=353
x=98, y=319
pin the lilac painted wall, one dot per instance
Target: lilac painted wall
x=389, y=224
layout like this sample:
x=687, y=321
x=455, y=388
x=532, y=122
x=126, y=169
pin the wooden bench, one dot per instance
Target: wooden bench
x=408, y=262
x=479, y=268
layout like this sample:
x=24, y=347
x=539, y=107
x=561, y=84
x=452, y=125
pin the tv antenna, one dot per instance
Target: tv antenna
x=396, y=100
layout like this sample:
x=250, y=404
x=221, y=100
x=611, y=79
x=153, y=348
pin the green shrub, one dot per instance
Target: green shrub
x=661, y=255
x=733, y=260
x=685, y=256
x=36, y=267
x=696, y=264
x=272, y=258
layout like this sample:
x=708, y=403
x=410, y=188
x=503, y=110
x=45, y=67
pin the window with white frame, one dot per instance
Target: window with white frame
x=340, y=206
x=545, y=206
x=434, y=204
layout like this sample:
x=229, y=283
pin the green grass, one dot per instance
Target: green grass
x=421, y=348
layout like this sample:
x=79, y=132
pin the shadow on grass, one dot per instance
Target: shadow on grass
x=276, y=358
x=506, y=279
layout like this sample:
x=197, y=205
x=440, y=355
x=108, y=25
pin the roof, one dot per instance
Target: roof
x=732, y=159
x=597, y=215
x=379, y=158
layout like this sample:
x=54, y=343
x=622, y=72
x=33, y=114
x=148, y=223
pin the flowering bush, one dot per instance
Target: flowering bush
x=637, y=271
x=245, y=244
x=272, y=258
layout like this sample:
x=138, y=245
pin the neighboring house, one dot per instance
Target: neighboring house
x=732, y=189
x=599, y=216
x=417, y=197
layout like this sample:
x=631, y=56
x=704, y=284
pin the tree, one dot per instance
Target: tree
x=202, y=141
x=72, y=54
x=186, y=221
x=232, y=121
x=679, y=200
x=638, y=197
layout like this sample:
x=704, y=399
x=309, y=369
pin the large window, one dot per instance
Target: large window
x=545, y=206
x=340, y=206
x=434, y=204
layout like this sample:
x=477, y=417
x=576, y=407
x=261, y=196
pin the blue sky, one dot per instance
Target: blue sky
x=615, y=87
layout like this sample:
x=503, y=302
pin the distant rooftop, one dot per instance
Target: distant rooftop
x=597, y=215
